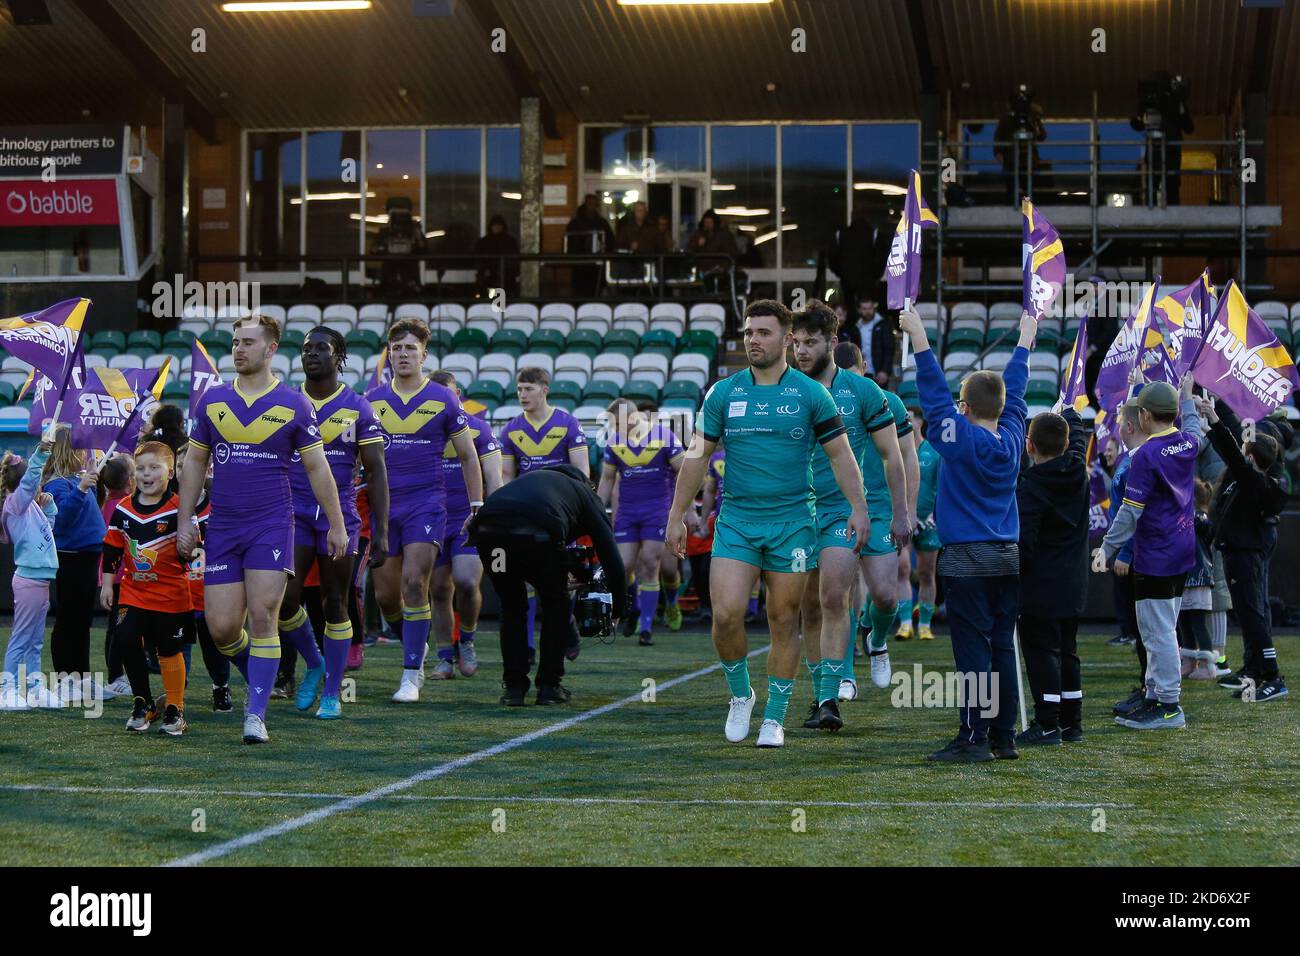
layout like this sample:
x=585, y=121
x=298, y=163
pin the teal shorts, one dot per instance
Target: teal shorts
x=833, y=529
x=927, y=539
x=786, y=546
x=882, y=515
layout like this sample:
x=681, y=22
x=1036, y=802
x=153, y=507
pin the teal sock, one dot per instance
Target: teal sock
x=832, y=672
x=815, y=672
x=881, y=622
x=864, y=616
x=927, y=612
x=905, y=612
x=778, y=699
x=738, y=677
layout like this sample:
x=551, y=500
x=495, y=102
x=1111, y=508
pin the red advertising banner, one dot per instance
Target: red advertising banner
x=67, y=202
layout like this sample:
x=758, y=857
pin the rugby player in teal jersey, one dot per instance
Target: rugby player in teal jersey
x=869, y=424
x=925, y=541
x=770, y=417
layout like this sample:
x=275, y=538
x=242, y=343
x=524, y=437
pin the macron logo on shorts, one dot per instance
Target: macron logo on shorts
x=428, y=528
x=276, y=553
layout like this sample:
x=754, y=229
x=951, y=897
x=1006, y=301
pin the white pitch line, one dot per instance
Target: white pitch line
x=615, y=801
x=432, y=773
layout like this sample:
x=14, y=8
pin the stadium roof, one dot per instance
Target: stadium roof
x=602, y=61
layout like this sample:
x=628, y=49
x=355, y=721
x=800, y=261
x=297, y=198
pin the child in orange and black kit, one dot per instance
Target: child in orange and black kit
x=154, y=606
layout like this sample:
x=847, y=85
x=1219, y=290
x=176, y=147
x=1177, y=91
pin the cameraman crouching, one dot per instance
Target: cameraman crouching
x=521, y=533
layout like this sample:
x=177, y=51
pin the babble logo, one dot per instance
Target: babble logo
x=15, y=203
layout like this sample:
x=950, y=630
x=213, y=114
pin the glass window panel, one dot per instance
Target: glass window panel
x=451, y=191
x=883, y=154
x=744, y=189
x=392, y=174
x=333, y=206
x=612, y=150
x=813, y=160
x=676, y=149
x=274, y=198
x=503, y=196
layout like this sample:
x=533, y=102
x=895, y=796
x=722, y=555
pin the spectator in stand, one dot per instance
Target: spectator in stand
x=78, y=534
x=876, y=339
x=636, y=233
x=858, y=258
x=713, y=238
x=588, y=233
x=497, y=242
x=667, y=243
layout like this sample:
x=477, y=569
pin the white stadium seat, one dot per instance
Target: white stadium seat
x=959, y=361
x=709, y=316
x=558, y=316
x=651, y=368
x=98, y=361
x=281, y=366
x=611, y=367
x=274, y=312
x=126, y=361
x=341, y=313
x=537, y=360
x=692, y=367
x=12, y=363
x=497, y=367
x=373, y=312
x=632, y=315
x=303, y=313
x=521, y=316
x=503, y=413
x=596, y=316
x=670, y=316
x=484, y=317
x=574, y=367
x=195, y=327
x=414, y=310
x=380, y=328
x=461, y=364
x=448, y=315
x=1004, y=314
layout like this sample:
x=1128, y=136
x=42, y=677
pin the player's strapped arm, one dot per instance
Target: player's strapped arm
x=463, y=442
x=903, y=486
x=490, y=464
x=911, y=468
x=372, y=460
x=192, y=479
x=689, y=478
x=578, y=458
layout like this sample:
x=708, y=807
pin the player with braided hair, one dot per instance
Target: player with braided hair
x=349, y=429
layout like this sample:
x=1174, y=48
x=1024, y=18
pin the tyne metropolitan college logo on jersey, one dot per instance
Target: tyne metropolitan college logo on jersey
x=221, y=453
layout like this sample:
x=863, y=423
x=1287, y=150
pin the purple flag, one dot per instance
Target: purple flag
x=101, y=411
x=1074, y=386
x=1122, y=356
x=382, y=373
x=1160, y=366
x=1042, y=258
x=1185, y=314
x=903, y=268
x=203, y=375
x=1242, y=361
x=47, y=340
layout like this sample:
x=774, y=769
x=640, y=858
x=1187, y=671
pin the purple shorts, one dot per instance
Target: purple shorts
x=415, y=523
x=455, y=541
x=312, y=531
x=232, y=550
x=635, y=527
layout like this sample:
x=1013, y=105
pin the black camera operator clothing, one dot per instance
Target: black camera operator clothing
x=521, y=533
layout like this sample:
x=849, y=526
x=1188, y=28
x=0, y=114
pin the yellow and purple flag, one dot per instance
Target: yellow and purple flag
x=203, y=375
x=903, y=267
x=1042, y=259
x=47, y=340
x=382, y=373
x=1136, y=336
x=1242, y=362
x=1185, y=314
x=107, y=411
x=1074, y=385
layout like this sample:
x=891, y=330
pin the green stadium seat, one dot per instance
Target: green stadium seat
x=219, y=341
x=291, y=341
x=485, y=391
x=600, y=393
x=178, y=339
x=678, y=403
x=511, y=341
x=361, y=386
x=177, y=391
x=682, y=390
x=954, y=384
x=7, y=393
x=567, y=390
x=547, y=341
x=661, y=341
x=587, y=341
x=145, y=339
x=701, y=341
x=907, y=391
x=639, y=390
x=363, y=341
x=143, y=352
x=567, y=404
x=1039, y=392
x=972, y=339
x=622, y=340
x=439, y=342
x=108, y=339
x=1001, y=339
x=471, y=341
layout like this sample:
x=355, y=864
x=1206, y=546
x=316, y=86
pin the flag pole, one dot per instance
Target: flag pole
x=902, y=364
x=63, y=388
x=1020, y=684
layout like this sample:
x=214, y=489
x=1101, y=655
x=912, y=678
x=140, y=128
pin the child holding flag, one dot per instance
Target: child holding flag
x=26, y=519
x=154, y=603
x=1157, y=514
